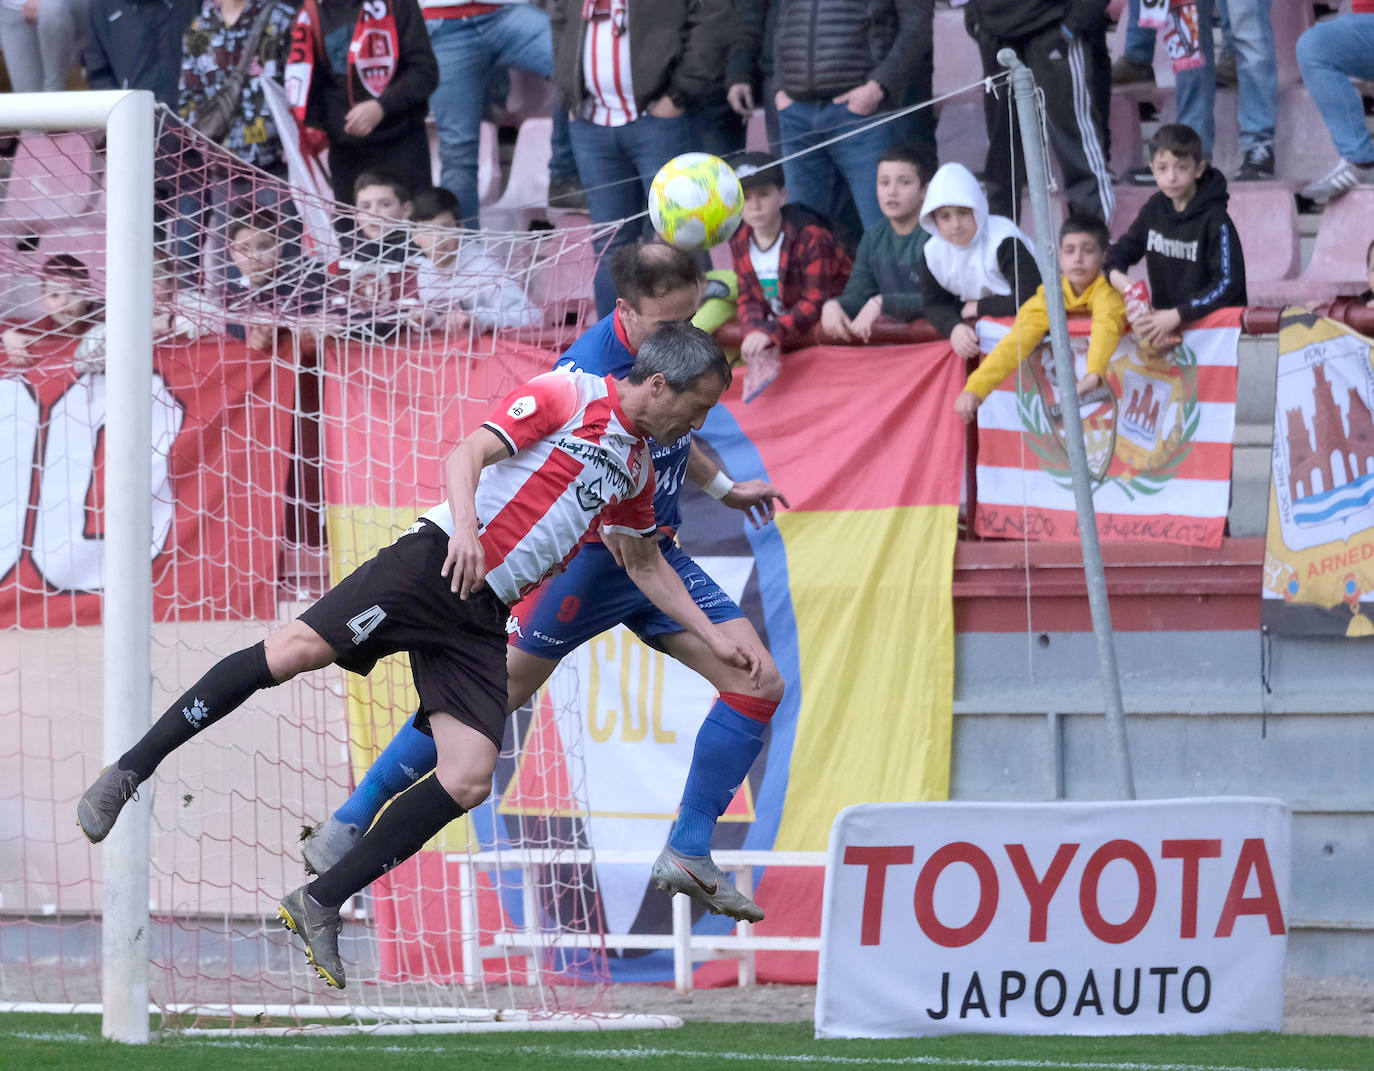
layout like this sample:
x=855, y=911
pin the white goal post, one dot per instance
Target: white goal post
x=126, y=117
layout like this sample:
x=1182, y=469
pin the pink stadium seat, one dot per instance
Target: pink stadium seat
x=86, y=245
x=1266, y=219
x=962, y=135
x=1289, y=21
x=563, y=287
x=527, y=192
x=1123, y=121
x=1129, y=201
x=957, y=60
x=55, y=179
x=531, y=96
x=756, y=136
x=488, y=161
x=1304, y=146
x=1337, y=264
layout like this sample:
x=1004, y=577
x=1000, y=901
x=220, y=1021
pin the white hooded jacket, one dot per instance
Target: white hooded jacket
x=968, y=272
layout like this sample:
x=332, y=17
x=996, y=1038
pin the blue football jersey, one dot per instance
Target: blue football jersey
x=600, y=352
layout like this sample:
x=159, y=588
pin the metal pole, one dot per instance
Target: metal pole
x=1047, y=256
x=128, y=605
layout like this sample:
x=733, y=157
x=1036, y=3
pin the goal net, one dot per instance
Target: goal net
x=310, y=369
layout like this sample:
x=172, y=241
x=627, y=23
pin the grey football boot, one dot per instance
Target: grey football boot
x=318, y=927
x=330, y=842
x=699, y=878
x=97, y=810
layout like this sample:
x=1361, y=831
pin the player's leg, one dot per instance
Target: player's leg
x=224, y=688
x=409, y=757
x=461, y=677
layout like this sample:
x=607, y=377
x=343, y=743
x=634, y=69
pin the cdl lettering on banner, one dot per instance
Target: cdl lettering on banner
x=1165, y=916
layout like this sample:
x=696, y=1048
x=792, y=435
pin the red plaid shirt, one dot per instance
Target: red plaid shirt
x=812, y=268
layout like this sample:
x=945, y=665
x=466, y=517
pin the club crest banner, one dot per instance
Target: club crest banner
x=1159, y=437
x=851, y=584
x=1319, y=547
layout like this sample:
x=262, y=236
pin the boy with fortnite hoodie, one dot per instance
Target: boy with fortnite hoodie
x=1191, y=250
x=974, y=264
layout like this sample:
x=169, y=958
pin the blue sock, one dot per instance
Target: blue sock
x=410, y=755
x=727, y=745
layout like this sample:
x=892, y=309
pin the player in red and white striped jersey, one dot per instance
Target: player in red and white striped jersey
x=560, y=456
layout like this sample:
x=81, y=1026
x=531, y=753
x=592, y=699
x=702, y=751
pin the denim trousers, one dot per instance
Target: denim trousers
x=617, y=163
x=1251, y=36
x=821, y=180
x=468, y=51
x=1329, y=55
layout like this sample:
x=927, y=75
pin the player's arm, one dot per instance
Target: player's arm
x=641, y=559
x=466, y=563
x=754, y=497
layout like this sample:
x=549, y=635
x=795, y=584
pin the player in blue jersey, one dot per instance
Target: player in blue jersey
x=655, y=284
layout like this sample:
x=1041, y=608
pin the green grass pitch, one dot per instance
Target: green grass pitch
x=34, y=1042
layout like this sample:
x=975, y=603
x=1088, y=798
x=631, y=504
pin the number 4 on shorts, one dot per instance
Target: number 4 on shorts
x=362, y=624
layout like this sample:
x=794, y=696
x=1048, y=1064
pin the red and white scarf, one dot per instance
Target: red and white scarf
x=373, y=53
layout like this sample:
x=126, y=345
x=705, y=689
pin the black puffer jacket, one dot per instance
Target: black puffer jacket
x=823, y=48
x=996, y=21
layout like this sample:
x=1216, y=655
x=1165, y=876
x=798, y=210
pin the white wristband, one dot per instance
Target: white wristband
x=720, y=485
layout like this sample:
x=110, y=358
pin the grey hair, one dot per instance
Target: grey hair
x=682, y=354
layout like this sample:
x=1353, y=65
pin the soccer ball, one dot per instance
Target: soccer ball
x=695, y=201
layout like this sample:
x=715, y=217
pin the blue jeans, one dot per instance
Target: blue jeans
x=467, y=51
x=617, y=164
x=1329, y=55
x=819, y=179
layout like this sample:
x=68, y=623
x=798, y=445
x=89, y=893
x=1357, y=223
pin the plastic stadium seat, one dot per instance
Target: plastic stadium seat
x=1337, y=264
x=1123, y=122
x=55, y=179
x=756, y=135
x=1267, y=221
x=1289, y=21
x=531, y=96
x=962, y=134
x=564, y=286
x=957, y=59
x=488, y=161
x=87, y=246
x=1304, y=145
x=527, y=192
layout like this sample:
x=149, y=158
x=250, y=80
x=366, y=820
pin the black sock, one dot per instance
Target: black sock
x=223, y=689
x=413, y=817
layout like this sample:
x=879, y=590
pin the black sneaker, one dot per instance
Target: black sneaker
x=1257, y=165
x=97, y=810
x=1138, y=176
x=1126, y=71
x=567, y=194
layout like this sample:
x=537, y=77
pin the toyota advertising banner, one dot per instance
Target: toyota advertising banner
x=1157, y=917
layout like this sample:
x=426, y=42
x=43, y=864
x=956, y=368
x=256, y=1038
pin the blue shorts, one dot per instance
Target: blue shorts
x=595, y=594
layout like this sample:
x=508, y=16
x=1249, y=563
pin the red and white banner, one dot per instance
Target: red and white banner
x=1158, y=917
x=221, y=442
x=1159, y=436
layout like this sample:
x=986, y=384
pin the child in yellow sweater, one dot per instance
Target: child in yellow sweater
x=1083, y=243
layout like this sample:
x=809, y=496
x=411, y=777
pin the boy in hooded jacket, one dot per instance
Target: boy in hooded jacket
x=1191, y=249
x=974, y=264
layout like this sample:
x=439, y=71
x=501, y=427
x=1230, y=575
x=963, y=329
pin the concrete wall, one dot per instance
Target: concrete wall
x=1028, y=726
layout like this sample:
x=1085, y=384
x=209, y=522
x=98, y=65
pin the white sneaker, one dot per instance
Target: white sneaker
x=328, y=844
x=1342, y=178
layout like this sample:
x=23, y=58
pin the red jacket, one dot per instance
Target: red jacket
x=812, y=268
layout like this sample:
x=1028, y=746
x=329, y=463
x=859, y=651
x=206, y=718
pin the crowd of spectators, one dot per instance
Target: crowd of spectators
x=865, y=225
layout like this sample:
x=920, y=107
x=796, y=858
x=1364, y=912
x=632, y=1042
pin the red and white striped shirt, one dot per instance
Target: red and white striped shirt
x=606, y=63
x=577, y=462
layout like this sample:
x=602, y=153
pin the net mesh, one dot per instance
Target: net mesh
x=311, y=368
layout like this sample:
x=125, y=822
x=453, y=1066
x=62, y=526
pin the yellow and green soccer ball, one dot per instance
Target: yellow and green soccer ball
x=695, y=201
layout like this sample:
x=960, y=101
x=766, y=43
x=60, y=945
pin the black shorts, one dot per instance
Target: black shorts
x=398, y=601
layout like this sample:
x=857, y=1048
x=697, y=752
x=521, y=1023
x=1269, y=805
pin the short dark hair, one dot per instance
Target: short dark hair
x=1084, y=223
x=66, y=267
x=433, y=200
x=382, y=175
x=922, y=157
x=651, y=269
x=1179, y=139
x=249, y=213
x=682, y=354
